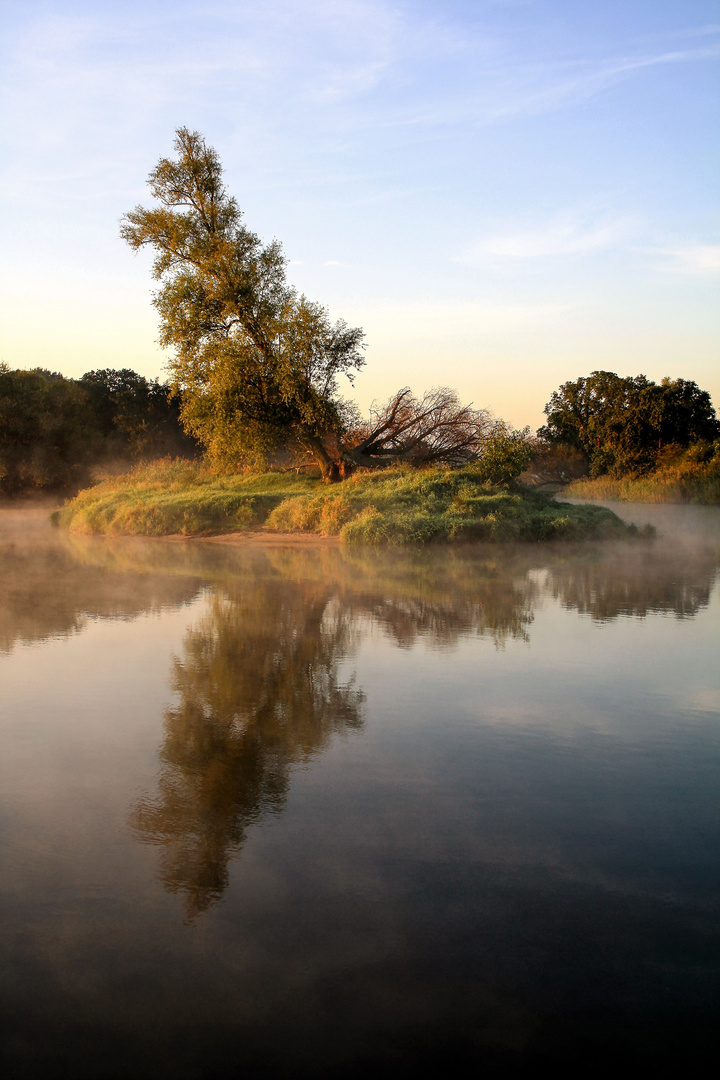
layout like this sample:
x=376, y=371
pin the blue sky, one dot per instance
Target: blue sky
x=504, y=194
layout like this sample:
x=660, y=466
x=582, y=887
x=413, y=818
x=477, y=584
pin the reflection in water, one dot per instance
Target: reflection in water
x=49, y=586
x=443, y=597
x=525, y=839
x=259, y=691
x=635, y=581
x=259, y=681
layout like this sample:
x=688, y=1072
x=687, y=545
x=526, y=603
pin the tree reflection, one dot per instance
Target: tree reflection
x=437, y=595
x=261, y=685
x=621, y=580
x=47, y=590
x=260, y=690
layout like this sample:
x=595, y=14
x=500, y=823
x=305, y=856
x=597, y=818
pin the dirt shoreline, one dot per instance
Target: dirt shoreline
x=265, y=539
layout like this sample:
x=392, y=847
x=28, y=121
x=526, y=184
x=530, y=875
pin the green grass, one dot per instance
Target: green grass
x=179, y=497
x=395, y=507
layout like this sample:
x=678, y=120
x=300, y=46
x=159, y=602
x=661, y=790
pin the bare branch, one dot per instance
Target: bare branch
x=433, y=429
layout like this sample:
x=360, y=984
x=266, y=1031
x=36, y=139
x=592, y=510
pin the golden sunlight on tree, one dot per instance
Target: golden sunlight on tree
x=256, y=364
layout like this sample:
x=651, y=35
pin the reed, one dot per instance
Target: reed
x=683, y=479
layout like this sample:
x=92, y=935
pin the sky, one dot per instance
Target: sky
x=504, y=194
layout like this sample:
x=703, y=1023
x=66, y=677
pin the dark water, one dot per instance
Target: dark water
x=301, y=812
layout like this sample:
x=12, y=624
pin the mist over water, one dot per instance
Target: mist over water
x=313, y=811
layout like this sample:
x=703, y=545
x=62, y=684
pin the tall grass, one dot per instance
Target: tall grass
x=682, y=479
x=394, y=507
x=406, y=506
x=178, y=497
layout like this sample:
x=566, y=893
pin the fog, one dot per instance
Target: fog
x=466, y=793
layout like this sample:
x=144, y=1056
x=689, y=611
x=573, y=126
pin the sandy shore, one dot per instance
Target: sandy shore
x=265, y=539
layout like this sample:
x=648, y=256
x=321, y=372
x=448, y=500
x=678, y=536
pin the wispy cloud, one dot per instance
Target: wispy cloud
x=567, y=234
x=696, y=259
x=680, y=33
x=514, y=87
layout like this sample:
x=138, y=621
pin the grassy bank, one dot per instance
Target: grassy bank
x=387, y=508
x=179, y=497
x=680, y=481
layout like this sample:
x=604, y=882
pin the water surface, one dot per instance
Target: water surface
x=293, y=812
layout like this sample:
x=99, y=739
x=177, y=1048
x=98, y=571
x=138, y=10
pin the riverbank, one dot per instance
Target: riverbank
x=394, y=507
x=680, y=481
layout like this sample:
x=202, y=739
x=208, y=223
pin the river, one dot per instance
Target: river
x=300, y=811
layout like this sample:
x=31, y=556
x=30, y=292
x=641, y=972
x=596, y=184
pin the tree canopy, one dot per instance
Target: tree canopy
x=137, y=417
x=621, y=425
x=48, y=435
x=257, y=364
x=54, y=431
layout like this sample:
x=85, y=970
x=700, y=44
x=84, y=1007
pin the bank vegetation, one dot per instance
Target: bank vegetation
x=392, y=507
x=680, y=476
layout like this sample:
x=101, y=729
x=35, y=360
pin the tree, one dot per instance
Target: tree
x=55, y=431
x=49, y=437
x=435, y=429
x=257, y=365
x=138, y=417
x=622, y=424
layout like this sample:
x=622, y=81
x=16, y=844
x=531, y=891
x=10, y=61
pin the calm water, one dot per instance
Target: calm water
x=295, y=811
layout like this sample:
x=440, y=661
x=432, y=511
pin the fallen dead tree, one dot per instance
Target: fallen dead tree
x=432, y=430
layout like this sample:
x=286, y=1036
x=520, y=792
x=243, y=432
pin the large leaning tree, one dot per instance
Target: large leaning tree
x=256, y=364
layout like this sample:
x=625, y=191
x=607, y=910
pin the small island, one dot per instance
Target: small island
x=392, y=507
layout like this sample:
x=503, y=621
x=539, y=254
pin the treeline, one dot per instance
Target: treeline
x=58, y=433
x=55, y=432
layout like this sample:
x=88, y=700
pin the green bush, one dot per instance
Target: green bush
x=505, y=455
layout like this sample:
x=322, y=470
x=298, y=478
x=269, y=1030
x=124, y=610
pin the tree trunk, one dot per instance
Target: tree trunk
x=330, y=470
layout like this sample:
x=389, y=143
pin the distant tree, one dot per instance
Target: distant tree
x=681, y=413
x=257, y=364
x=54, y=431
x=48, y=433
x=139, y=417
x=622, y=424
